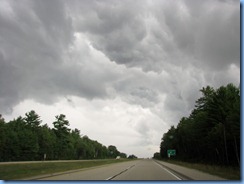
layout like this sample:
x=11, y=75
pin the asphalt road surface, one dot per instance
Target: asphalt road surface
x=146, y=169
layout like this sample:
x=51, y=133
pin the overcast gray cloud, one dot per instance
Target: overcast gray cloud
x=156, y=34
x=135, y=67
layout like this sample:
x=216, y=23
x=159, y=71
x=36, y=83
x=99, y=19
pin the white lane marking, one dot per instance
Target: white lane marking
x=111, y=177
x=168, y=171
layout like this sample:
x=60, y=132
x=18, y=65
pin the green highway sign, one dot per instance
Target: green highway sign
x=171, y=152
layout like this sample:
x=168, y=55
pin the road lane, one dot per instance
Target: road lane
x=133, y=170
x=104, y=172
x=147, y=170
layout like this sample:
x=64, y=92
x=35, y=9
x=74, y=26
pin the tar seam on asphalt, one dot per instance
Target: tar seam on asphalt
x=110, y=178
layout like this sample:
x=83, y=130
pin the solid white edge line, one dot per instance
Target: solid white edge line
x=169, y=171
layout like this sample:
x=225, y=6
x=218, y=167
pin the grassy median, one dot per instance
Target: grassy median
x=26, y=170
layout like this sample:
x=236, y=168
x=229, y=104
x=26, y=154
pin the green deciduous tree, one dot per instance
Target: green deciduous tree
x=112, y=151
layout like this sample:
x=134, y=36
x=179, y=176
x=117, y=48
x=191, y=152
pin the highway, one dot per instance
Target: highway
x=146, y=169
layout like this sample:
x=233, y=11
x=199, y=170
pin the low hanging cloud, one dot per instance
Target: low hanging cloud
x=153, y=55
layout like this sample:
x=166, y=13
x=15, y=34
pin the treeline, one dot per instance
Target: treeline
x=211, y=134
x=25, y=139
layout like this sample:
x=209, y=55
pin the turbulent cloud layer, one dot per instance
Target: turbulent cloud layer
x=135, y=67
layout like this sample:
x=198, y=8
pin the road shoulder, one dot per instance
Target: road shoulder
x=189, y=174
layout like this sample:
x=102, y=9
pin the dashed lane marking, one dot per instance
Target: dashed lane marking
x=111, y=177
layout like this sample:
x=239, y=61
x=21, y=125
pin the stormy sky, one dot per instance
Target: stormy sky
x=122, y=71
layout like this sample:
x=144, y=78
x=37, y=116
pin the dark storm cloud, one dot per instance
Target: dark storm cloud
x=116, y=28
x=170, y=49
x=150, y=35
x=131, y=66
x=35, y=37
x=176, y=37
x=209, y=31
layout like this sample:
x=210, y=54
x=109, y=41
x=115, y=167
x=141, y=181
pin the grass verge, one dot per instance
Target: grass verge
x=230, y=173
x=25, y=170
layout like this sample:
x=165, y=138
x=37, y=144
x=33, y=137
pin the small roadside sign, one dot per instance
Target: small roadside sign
x=171, y=152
